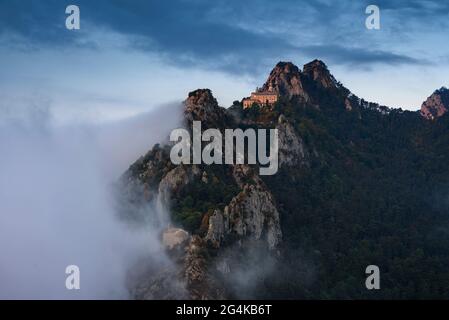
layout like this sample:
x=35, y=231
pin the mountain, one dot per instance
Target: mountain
x=287, y=80
x=304, y=85
x=358, y=184
x=436, y=105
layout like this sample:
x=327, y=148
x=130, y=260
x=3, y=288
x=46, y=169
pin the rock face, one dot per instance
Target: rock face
x=200, y=283
x=318, y=72
x=285, y=79
x=436, y=105
x=202, y=106
x=143, y=174
x=217, y=228
x=176, y=179
x=291, y=146
x=174, y=237
x=309, y=86
x=252, y=213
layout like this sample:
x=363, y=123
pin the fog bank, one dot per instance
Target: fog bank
x=57, y=209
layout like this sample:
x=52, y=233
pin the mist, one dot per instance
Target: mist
x=57, y=206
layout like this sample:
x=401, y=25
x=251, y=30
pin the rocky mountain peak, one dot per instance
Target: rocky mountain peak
x=285, y=78
x=436, y=105
x=288, y=80
x=318, y=72
x=286, y=67
x=200, y=97
x=201, y=105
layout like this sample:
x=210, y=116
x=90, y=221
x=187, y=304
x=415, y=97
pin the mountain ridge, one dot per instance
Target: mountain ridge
x=357, y=185
x=289, y=81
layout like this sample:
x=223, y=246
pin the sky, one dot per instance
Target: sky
x=129, y=57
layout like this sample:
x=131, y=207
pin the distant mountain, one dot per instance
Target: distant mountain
x=358, y=184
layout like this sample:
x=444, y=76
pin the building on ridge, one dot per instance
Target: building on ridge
x=263, y=98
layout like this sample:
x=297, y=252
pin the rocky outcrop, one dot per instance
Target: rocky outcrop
x=291, y=146
x=252, y=213
x=195, y=269
x=217, y=229
x=141, y=180
x=174, y=238
x=436, y=105
x=186, y=276
x=202, y=106
x=199, y=282
x=285, y=79
x=176, y=179
x=318, y=72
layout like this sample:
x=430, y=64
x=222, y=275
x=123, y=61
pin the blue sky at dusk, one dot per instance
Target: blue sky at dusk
x=131, y=56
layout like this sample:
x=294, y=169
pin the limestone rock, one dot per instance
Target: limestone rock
x=291, y=146
x=253, y=214
x=217, y=229
x=202, y=106
x=174, y=237
x=175, y=179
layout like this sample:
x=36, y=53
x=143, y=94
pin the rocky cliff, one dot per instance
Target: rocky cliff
x=250, y=215
x=286, y=79
x=436, y=105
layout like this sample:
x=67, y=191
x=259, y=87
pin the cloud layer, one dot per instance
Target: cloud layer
x=57, y=207
x=231, y=35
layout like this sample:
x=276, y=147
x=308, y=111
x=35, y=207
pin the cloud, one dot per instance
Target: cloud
x=57, y=207
x=231, y=36
x=359, y=56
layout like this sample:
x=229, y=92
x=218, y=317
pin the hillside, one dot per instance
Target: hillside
x=358, y=184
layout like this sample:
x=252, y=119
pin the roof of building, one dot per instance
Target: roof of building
x=264, y=93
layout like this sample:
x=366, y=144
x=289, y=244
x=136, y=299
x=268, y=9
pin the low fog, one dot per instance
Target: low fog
x=57, y=209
